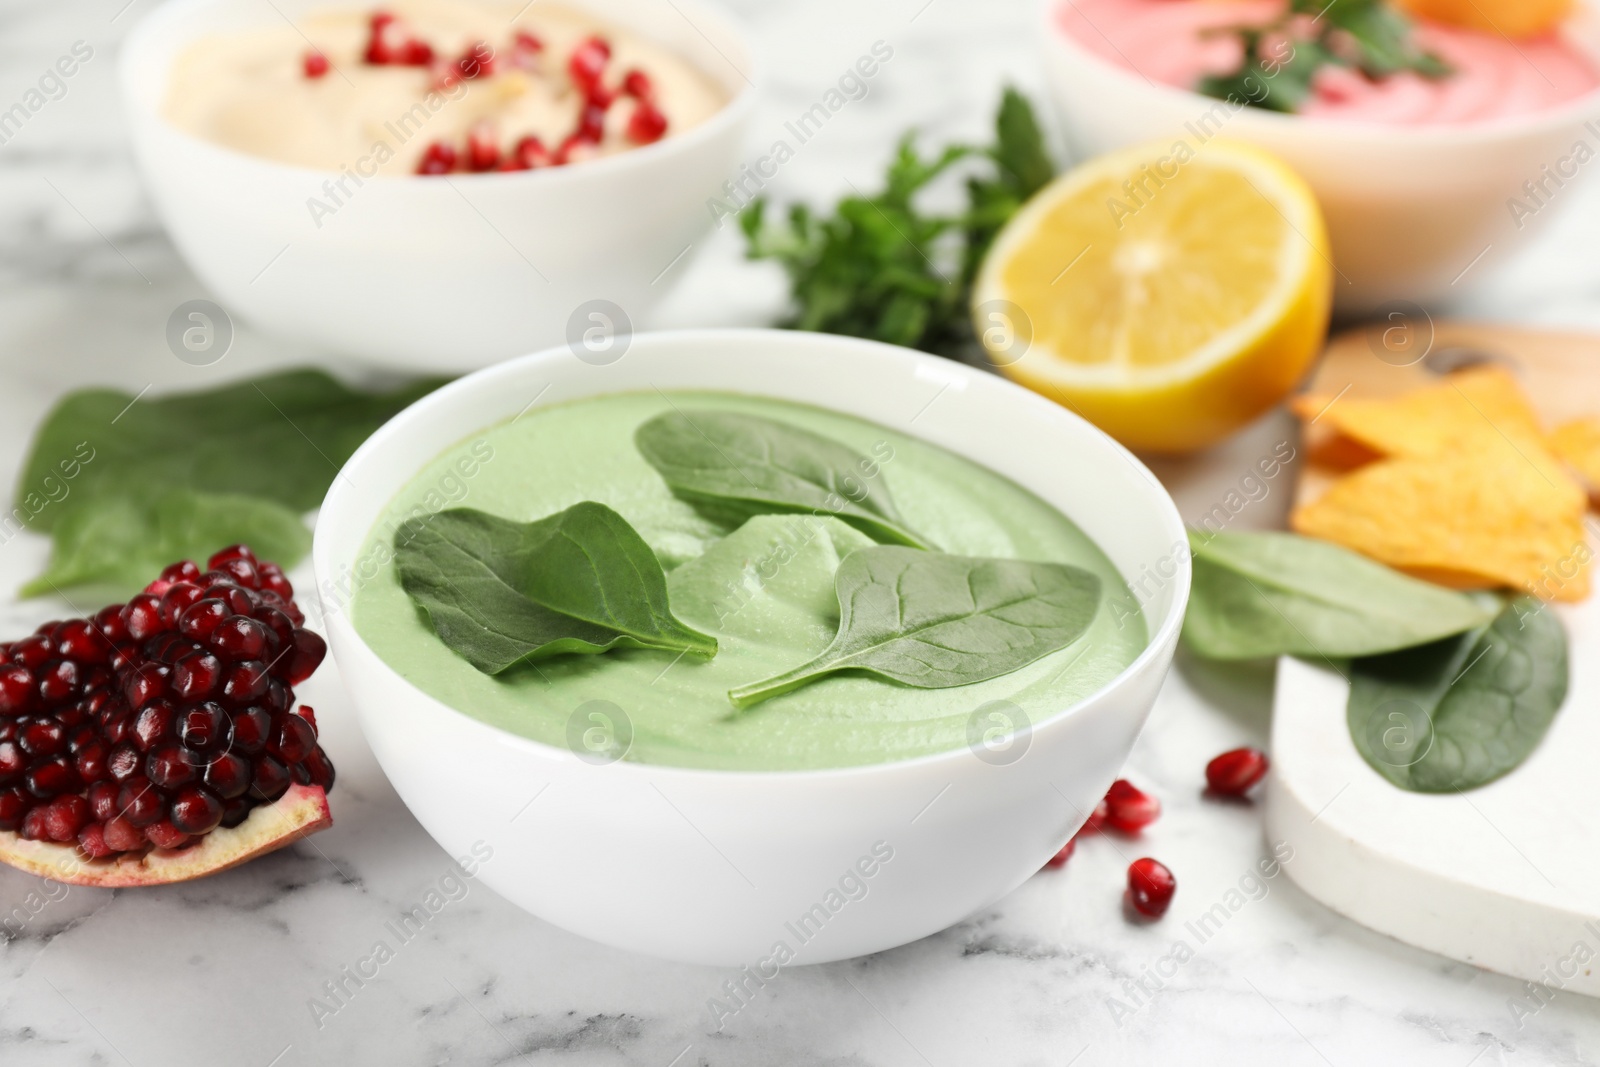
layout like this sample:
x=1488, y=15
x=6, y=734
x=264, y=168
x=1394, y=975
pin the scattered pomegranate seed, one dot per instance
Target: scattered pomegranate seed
x=1129, y=808
x=587, y=64
x=1060, y=858
x=316, y=64
x=591, y=123
x=1096, y=819
x=527, y=41
x=389, y=44
x=438, y=158
x=637, y=84
x=477, y=61
x=483, y=150
x=528, y=154
x=1150, y=887
x=647, y=124
x=1235, y=773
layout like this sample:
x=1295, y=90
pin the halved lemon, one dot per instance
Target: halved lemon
x=1169, y=293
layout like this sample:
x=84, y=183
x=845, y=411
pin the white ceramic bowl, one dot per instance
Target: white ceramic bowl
x=429, y=273
x=1409, y=209
x=709, y=866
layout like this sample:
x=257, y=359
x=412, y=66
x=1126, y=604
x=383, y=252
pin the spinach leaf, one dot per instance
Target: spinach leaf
x=122, y=542
x=933, y=621
x=280, y=438
x=500, y=592
x=1460, y=713
x=1272, y=594
x=748, y=465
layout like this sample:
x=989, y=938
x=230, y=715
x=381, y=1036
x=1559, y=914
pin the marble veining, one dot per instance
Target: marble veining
x=231, y=970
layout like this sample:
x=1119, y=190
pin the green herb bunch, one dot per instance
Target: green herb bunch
x=881, y=267
x=1280, y=61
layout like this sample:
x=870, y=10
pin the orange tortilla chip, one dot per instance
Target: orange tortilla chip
x=1465, y=408
x=1480, y=519
x=1578, y=443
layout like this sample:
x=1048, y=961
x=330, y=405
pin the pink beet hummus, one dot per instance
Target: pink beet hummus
x=1492, y=77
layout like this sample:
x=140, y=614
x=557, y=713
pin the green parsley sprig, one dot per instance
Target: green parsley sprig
x=881, y=267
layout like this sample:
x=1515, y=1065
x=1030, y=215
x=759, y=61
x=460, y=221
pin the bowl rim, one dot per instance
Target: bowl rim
x=1157, y=646
x=169, y=17
x=1378, y=134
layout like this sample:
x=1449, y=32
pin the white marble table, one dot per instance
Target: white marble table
x=224, y=972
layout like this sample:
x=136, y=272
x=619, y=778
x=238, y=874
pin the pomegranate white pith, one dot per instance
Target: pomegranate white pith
x=301, y=811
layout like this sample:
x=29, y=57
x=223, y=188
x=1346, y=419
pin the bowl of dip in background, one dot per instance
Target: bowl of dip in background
x=1420, y=181
x=849, y=828
x=364, y=257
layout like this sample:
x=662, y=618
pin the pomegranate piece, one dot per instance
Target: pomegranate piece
x=315, y=64
x=1128, y=808
x=437, y=158
x=1236, y=772
x=647, y=124
x=1150, y=887
x=135, y=744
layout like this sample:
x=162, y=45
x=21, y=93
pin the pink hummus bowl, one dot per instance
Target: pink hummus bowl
x=1417, y=210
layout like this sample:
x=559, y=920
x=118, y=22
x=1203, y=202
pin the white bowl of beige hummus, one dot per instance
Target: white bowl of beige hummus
x=1428, y=181
x=435, y=184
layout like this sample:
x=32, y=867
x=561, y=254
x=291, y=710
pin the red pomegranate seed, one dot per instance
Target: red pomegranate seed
x=64, y=817
x=477, y=61
x=33, y=824
x=92, y=842
x=52, y=777
x=315, y=64
x=306, y=656
x=591, y=123
x=251, y=728
x=241, y=571
x=526, y=41
x=12, y=761
x=196, y=811
x=270, y=781
x=165, y=835
x=309, y=714
x=246, y=682
x=43, y=737
x=17, y=690
x=437, y=158
x=528, y=154
x=1060, y=858
x=273, y=581
x=637, y=84
x=320, y=768
x=1150, y=887
x=221, y=556
x=1129, y=808
x=483, y=149
x=120, y=835
x=1235, y=773
x=228, y=776
x=138, y=802
x=35, y=651
x=196, y=676
x=293, y=740
x=103, y=801
x=588, y=63
x=647, y=124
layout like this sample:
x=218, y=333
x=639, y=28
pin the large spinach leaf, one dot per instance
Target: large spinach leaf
x=935, y=621
x=500, y=592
